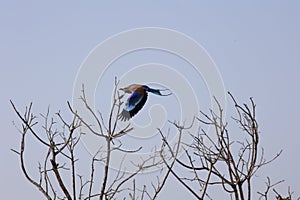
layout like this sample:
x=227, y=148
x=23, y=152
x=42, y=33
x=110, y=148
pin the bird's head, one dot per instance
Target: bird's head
x=129, y=89
x=125, y=89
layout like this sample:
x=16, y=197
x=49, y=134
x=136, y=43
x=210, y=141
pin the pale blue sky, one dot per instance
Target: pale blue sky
x=255, y=45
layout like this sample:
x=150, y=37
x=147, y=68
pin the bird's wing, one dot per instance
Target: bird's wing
x=133, y=104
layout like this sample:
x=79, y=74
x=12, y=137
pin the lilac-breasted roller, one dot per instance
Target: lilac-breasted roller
x=137, y=99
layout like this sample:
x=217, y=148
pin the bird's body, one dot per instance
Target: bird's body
x=137, y=99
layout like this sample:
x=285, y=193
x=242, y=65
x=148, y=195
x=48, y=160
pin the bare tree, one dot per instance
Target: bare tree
x=212, y=160
x=226, y=159
x=60, y=145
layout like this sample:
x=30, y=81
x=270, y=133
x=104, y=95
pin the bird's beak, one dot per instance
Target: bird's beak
x=121, y=89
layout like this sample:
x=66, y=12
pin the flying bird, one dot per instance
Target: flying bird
x=137, y=99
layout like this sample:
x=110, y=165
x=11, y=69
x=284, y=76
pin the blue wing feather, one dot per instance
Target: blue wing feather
x=133, y=104
x=133, y=100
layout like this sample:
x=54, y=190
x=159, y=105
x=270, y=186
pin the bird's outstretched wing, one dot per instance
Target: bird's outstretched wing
x=133, y=104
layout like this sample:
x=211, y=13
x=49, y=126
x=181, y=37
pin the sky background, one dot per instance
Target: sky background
x=255, y=45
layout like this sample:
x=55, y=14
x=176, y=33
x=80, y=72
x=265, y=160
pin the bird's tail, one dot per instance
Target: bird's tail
x=158, y=92
x=154, y=91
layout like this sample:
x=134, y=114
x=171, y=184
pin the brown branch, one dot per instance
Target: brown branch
x=58, y=177
x=28, y=123
x=28, y=116
x=105, y=173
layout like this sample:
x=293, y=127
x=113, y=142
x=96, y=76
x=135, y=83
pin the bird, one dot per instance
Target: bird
x=137, y=99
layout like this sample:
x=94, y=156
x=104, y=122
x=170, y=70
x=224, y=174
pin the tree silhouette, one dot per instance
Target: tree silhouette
x=212, y=161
